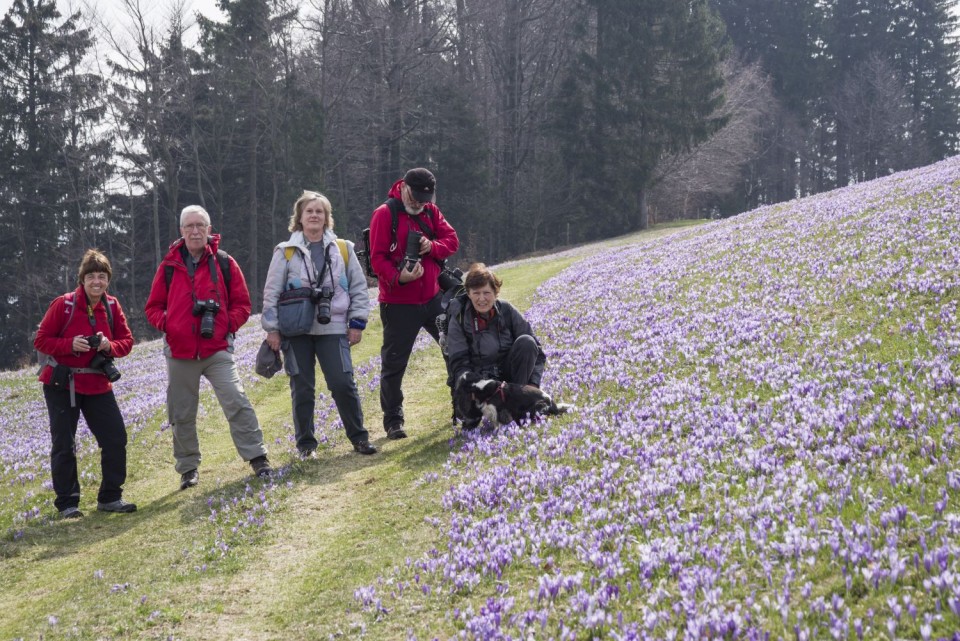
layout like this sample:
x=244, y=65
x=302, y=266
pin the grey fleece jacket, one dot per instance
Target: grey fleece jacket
x=351, y=302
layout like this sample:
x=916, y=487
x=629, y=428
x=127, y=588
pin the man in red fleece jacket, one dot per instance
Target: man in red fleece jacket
x=409, y=293
x=198, y=315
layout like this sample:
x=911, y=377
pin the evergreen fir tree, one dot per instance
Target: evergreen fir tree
x=652, y=85
x=56, y=162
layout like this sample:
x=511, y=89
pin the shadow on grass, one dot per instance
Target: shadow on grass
x=60, y=538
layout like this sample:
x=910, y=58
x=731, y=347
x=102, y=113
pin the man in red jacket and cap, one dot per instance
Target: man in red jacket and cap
x=198, y=311
x=410, y=296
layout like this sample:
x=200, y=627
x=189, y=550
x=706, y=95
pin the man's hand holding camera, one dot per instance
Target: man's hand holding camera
x=417, y=245
x=411, y=272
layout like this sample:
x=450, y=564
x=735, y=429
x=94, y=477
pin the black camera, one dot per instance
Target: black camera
x=450, y=278
x=322, y=298
x=413, y=249
x=101, y=361
x=207, y=310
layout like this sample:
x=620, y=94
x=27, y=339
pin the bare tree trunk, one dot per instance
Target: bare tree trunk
x=157, y=256
x=642, y=209
x=253, y=262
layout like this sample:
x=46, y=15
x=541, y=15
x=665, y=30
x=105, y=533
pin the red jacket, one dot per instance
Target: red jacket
x=172, y=311
x=386, y=263
x=55, y=337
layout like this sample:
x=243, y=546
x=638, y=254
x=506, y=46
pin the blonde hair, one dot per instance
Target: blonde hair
x=480, y=275
x=94, y=261
x=306, y=197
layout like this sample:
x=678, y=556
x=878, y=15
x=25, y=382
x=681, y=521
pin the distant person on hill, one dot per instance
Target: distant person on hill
x=199, y=299
x=315, y=263
x=410, y=297
x=488, y=336
x=81, y=334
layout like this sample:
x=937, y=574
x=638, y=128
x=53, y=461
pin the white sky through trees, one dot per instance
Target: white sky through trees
x=111, y=11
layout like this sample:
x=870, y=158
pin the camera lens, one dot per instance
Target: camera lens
x=413, y=248
x=105, y=365
x=207, y=310
x=323, y=305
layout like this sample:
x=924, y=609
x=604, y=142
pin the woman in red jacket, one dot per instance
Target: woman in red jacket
x=79, y=336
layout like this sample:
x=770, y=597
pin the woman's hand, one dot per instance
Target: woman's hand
x=273, y=340
x=354, y=336
x=80, y=344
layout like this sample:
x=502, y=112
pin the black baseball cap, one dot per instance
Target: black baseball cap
x=422, y=184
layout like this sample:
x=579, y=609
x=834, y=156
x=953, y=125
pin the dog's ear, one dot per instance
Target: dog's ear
x=462, y=381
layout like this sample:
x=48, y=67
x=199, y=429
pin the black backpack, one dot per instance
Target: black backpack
x=443, y=319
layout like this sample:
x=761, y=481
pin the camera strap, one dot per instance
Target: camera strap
x=326, y=267
x=212, y=266
x=90, y=317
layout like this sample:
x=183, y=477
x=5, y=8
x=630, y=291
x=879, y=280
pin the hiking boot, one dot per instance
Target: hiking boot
x=261, y=466
x=119, y=505
x=71, y=513
x=364, y=447
x=189, y=479
x=395, y=432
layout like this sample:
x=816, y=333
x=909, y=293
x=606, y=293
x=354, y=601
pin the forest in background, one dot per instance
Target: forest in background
x=547, y=122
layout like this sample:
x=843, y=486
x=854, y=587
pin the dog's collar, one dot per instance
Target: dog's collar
x=500, y=390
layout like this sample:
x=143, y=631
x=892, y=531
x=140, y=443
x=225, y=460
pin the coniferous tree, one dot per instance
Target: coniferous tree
x=924, y=43
x=653, y=87
x=784, y=36
x=245, y=81
x=57, y=162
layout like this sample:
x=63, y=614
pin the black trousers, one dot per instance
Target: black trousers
x=401, y=324
x=333, y=353
x=103, y=417
x=521, y=360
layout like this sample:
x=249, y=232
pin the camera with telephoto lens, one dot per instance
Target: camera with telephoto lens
x=207, y=310
x=101, y=361
x=450, y=278
x=322, y=298
x=413, y=249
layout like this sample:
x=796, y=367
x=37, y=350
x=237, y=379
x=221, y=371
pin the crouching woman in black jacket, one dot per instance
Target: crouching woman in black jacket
x=488, y=336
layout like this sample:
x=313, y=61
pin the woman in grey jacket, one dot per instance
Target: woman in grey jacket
x=314, y=257
x=490, y=337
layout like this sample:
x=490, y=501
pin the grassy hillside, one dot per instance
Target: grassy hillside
x=765, y=446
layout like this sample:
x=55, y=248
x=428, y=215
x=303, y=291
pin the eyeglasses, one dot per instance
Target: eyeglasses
x=197, y=226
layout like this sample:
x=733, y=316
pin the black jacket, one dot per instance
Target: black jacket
x=484, y=352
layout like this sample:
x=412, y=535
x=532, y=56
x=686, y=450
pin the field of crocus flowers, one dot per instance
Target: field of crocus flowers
x=764, y=446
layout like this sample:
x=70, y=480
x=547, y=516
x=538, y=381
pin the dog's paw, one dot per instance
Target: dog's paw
x=490, y=414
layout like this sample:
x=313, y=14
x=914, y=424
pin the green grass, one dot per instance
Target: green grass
x=339, y=522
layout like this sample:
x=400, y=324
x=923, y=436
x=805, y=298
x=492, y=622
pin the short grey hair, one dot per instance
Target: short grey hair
x=194, y=209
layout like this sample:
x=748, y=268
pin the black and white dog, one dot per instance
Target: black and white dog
x=500, y=403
